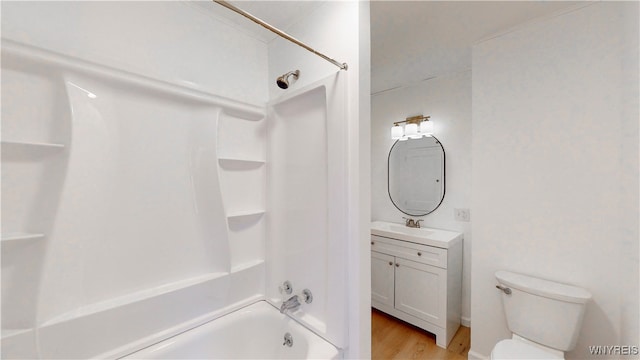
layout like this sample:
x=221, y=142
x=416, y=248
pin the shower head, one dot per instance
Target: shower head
x=283, y=81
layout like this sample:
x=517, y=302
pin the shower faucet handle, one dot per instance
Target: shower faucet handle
x=307, y=296
x=286, y=288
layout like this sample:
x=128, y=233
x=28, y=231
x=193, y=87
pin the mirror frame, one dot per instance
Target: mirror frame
x=444, y=178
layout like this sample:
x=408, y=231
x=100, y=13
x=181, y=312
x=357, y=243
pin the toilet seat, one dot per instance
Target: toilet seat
x=513, y=349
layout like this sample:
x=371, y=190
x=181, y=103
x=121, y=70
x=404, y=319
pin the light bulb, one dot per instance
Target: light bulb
x=426, y=128
x=411, y=131
x=396, y=132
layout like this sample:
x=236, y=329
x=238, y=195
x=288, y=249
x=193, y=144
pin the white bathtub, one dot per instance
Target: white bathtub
x=254, y=332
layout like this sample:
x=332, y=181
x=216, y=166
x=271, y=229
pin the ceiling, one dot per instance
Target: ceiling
x=281, y=14
x=410, y=40
x=416, y=40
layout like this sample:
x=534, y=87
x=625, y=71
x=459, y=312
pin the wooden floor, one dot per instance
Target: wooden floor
x=394, y=339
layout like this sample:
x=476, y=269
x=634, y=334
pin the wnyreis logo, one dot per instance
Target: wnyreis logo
x=609, y=350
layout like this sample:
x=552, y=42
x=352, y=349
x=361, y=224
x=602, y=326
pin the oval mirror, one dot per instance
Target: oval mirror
x=416, y=175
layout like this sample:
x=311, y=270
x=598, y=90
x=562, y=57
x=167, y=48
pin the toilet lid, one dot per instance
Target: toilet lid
x=513, y=349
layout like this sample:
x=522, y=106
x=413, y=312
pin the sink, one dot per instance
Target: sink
x=405, y=229
x=425, y=236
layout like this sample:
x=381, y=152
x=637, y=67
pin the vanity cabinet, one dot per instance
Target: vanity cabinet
x=382, y=278
x=419, y=284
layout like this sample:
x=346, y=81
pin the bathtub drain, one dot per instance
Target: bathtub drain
x=288, y=340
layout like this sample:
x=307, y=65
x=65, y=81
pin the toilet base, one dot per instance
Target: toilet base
x=518, y=348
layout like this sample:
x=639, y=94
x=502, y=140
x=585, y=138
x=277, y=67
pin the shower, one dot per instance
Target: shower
x=232, y=174
x=283, y=81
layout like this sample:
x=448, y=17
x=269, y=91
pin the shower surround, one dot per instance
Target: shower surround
x=146, y=193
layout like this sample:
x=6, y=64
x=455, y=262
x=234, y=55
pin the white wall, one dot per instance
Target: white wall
x=150, y=39
x=555, y=168
x=168, y=44
x=340, y=30
x=447, y=99
x=136, y=211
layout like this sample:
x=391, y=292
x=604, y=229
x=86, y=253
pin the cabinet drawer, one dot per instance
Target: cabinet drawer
x=420, y=253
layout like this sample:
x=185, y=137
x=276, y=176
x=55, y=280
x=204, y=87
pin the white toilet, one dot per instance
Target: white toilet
x=544, y=317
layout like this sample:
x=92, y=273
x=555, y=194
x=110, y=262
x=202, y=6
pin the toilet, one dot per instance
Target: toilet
x=544, y=317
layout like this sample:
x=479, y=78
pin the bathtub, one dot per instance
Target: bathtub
x=253, y=332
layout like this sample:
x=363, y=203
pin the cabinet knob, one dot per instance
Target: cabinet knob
x=390, y=263
x=419, y=253
x=372, y=243
x=397, y=265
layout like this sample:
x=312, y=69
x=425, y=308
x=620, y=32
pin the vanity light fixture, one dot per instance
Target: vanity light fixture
x=415, y=127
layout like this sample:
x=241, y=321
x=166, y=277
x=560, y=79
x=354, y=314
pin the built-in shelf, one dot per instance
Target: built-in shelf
x=246, y=265
x=244, y=115
x=7, y=333
x=18, y=52
x=241, y=214
x=238, y=160
x=134, y=297
x=20, y=237
x=52, y=146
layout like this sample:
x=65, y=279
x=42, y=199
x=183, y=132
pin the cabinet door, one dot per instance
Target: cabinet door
x=421, y=290
x=382, y=278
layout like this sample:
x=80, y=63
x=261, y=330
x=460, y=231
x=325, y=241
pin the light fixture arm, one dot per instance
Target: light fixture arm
x=415, y=127
x=413, y=120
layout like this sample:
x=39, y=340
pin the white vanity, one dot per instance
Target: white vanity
x=416, y=276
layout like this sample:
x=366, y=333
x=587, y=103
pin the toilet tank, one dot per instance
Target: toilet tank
x=543, y=311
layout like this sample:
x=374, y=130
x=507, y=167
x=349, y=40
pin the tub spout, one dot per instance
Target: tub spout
x=293, y=303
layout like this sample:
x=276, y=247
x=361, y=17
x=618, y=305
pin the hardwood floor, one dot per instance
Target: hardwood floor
x=394, y=339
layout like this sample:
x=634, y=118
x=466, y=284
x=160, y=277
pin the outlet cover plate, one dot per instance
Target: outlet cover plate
x=462, y=214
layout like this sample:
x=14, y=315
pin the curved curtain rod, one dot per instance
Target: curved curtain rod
x=280, y=33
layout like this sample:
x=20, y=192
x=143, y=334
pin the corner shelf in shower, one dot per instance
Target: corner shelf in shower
x=20, y=237
x=246, y=265
x=244, y=214
x=7, y=333
x=28, y=144
x=231, y=160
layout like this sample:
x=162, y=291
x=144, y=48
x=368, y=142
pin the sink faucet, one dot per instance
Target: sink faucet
x=412, y=223
x=293, y=303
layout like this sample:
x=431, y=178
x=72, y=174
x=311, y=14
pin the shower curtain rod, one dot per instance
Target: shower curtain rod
x=281, y=33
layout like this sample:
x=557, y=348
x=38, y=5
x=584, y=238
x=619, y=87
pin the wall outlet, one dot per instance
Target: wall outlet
x=462, y=214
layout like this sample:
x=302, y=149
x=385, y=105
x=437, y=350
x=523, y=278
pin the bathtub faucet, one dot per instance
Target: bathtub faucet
x=293, y=303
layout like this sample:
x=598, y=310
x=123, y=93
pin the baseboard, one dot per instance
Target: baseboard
x=465, y=321
x=476, y=356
